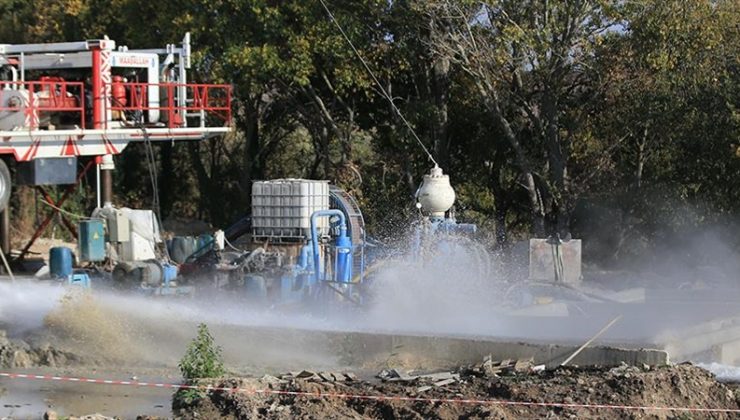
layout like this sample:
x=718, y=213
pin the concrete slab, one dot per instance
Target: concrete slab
x=447, y=352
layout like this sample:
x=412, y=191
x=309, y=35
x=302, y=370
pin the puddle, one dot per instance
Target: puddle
x=31, y=398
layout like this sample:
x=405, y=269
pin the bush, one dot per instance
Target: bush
x=203, y=358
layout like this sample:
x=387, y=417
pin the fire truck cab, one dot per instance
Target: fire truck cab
x=92, y=98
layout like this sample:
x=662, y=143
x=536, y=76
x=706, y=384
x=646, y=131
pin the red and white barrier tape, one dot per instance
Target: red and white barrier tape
x=371, y=397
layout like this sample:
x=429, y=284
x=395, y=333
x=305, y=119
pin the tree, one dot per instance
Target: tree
x=527, y=61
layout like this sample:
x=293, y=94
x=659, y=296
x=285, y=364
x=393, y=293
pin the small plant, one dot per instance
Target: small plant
x=201, y=360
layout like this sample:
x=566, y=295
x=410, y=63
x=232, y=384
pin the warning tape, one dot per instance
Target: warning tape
x=250, y=391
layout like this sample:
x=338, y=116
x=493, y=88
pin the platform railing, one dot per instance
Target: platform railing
x=42, y=100
x=131, y=103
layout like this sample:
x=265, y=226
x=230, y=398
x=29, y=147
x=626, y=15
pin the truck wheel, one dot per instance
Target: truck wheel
x=5, y=185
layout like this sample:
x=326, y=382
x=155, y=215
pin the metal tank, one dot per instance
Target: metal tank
x=435, y=194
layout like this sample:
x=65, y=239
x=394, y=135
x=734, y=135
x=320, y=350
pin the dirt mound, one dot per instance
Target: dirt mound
x=19, y=354
x=676, y=386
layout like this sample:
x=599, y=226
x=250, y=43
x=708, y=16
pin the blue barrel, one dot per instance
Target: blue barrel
x=169, y=273
x=181, y=247
x=92, y=240
x=60, y=262
x=256, y=287
x=204, y=243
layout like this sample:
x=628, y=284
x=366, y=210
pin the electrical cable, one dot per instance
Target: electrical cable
x=232, y=246
x=377, y=82
x=68, y=213
x=152, y=167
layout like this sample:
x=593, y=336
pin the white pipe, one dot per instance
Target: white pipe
x=97, y=184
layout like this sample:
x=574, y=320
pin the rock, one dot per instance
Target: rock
x=21, y=359
x=445, y=382
x=51, y=415
x=269, y=379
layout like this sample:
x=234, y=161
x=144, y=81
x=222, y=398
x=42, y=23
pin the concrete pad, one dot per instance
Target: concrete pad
x=447, y=352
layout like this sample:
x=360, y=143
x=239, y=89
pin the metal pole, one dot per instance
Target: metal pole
x=7, y=267
x=5, y=231
x=106, y=180
x=588, y=343
x=97, y=183
x=97, y=90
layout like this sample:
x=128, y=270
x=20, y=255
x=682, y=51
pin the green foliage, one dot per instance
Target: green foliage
x=203, y=358
x=620, y=111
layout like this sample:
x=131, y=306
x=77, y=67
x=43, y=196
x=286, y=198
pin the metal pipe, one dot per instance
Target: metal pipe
x=315, y=238
x=106, y=180
x=97, y=90
x=5, y=231
x=97, y=185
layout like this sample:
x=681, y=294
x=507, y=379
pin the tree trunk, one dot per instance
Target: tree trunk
x=556, y=162
x=440, y=132
x=535, y=198
x=641, y=157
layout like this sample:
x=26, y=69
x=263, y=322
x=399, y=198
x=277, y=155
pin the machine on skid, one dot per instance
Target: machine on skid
x=304, y=240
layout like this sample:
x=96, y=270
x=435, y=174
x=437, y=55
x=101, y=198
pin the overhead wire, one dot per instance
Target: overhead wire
x=377, y=82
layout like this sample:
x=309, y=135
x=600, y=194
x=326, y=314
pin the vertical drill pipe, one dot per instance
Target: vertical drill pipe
x=106, y=181
x=315, y=238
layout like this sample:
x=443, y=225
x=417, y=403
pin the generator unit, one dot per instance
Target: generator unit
x=133, y=245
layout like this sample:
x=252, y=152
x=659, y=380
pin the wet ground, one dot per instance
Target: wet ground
x=146, y=337
x=30, y=399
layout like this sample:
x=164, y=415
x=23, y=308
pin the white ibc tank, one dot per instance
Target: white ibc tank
x=282, y=208
x=435, y=194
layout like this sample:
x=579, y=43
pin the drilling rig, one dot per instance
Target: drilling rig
x=73, y=105
x=60, y=101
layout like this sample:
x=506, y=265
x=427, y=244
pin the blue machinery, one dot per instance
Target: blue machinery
x=60, y=268
x=304, y=241
x=342, y=272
